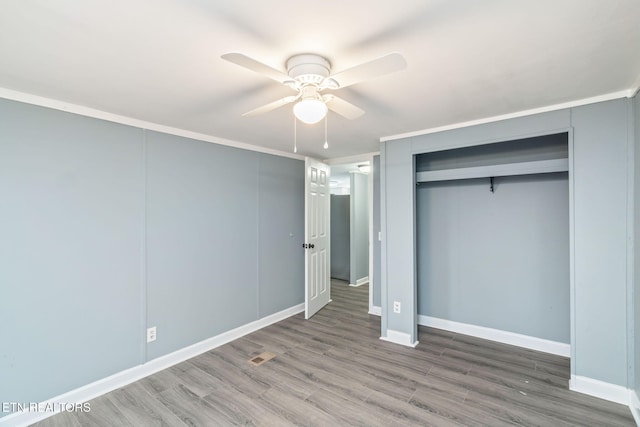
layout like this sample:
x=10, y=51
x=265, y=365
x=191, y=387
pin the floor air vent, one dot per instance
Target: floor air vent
x=261, y=358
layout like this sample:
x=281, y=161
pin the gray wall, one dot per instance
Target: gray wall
x=499, y=260
x=280, y=233
x=600, y=191
x=397, y=267
x=600, y=167
x=376, y=229
x=340, y=237
x=107, y=229
x=71, y=217
x=218, y=226
x=359, y=227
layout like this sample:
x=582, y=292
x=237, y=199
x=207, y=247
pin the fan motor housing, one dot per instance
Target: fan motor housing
x=308, y=68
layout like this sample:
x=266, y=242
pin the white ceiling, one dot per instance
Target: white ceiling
x=159, y=60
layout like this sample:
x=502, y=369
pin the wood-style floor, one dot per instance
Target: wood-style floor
x=333, y=370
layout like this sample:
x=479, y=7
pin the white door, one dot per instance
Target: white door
x=316, y=246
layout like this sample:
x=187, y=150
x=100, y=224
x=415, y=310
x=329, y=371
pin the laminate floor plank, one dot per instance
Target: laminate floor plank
x=104, y=413
x=358, y=413
x=196, y=380
x=552, y=368
x=560, y=406
x=504, y=354
x=160, y=381
x=286, y=381
x=336, y=335
x=377, y=377
x=200, y=382
x=246, y=347
x=407, y=413
x=141, y=408
x=296, y=410
x=399, y=375
x=271, y=341
x=232, y=376
x=433, y=385
x=280, y=374
x=306, y=341
x=354, y=375
x=294, y=328
x=520, y=397
x=474, y=344
x=452, y=408
x=510, y=413
x=267, y=374
x=241, y=409
x=333, y=370
x=349, y=384
x=482, y=363
x=387, y=357
x=587, y=406
x=191, y=409
x=62, y=419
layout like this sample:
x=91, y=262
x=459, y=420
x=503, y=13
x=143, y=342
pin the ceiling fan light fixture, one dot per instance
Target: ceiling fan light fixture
x=310, y=111
x=309, y=74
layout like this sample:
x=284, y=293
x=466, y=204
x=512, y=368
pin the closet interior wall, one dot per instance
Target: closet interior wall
x=495, y=252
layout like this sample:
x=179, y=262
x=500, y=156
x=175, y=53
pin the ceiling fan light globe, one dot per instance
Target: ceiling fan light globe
x=310, y=111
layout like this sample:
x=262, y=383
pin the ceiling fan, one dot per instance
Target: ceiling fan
x=310, y=75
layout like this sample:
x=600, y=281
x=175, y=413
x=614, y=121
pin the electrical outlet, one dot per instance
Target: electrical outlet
x=396, y=306
x=151, y=334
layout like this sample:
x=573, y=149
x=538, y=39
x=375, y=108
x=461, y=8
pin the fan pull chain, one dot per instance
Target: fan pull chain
x=326, y=144
x=295, y=135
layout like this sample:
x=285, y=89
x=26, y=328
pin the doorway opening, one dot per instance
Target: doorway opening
x=351, y=188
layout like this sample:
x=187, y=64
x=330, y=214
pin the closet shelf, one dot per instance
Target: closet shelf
x=508, y=169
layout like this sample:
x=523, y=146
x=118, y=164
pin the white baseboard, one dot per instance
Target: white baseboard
x=376, y=310
x=398, y=337
x=505, y=337
x=634, y=406
x=123, y=378
x=612, y=392
x=360, y=281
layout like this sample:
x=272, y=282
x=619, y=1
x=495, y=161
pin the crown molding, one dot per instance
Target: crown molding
x=129, y=121
x=555, y=107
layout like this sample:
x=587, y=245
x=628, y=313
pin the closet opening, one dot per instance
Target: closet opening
x=493, y=241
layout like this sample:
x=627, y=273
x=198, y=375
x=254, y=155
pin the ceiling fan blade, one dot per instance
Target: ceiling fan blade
x=369, y=70
x=255, y=66
x=271, y=106
x=342, y=107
